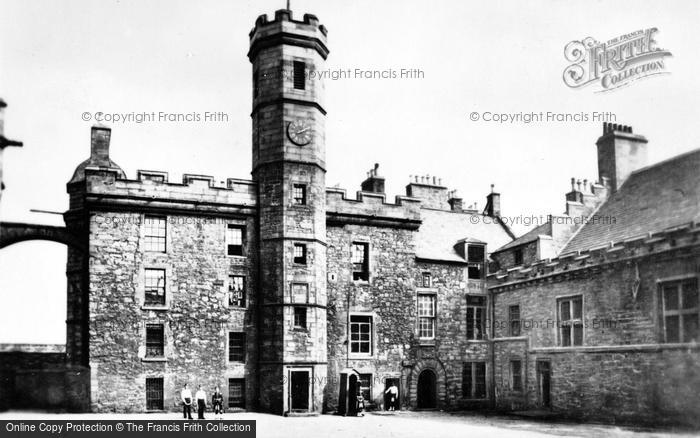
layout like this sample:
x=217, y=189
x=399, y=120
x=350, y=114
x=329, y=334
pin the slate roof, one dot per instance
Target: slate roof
x=530, y=236
x=660, y=196
x=441, y=230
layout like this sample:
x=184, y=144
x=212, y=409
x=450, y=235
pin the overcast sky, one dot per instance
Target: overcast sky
x=59, y=59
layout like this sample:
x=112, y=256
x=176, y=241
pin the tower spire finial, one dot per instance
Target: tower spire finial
x=289, y=7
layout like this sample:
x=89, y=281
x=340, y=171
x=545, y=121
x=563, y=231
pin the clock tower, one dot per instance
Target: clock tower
x=289, y=168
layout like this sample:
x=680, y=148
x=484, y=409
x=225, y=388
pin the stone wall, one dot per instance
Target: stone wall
x=196, y=316
x=622, y=371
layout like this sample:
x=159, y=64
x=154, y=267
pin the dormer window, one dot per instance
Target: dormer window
x=476, y=261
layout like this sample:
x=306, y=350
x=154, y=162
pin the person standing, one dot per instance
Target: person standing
x=186, y=396
x=201, y=397
x=217, y=403
x=393, y=392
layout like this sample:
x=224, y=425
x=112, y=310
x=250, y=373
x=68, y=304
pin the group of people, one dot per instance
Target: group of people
x=200, y=401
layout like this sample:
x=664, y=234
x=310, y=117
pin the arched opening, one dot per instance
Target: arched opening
x=33, y=293
x=427, y=390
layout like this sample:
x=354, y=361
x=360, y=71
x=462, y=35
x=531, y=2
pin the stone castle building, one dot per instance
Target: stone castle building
x=290, y=295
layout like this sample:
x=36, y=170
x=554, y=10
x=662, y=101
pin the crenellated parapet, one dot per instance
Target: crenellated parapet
x=151, y=191
x=371, y=209
x=283, y=29
x=679, y=238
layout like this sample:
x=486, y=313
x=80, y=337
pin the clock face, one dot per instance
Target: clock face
x=299, y=132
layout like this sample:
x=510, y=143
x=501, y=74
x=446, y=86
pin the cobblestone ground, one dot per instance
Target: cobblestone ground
x=402, y=424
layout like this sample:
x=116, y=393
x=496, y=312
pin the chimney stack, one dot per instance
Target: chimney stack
x=493, y=204
x=455, y=201
x=374, y=183
x=99, y=145
x=620, y=152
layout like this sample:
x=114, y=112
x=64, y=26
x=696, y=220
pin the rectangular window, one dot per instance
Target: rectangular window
x=300, y=317
x=300, y=293
x=570, y=315
x=299, y=194
x=518, y=256
x=474, y=380
x=236, y=347
x=476, y=313
x=361, y=334
x=154, y=286
x=154, y=233
x=426, y=280
x=155, y=340
x=299, y=75
x=360, y=261
x=514, y=320
x=366, y=387
x=236, y=393
x=678, y=301
x=516, y=374
x=235, y=240
x=426, y=316
x=154, y=394
x=476, y=258
x=300, y=253
x=236, y=291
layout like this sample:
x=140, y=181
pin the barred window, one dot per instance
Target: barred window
x=476, y=312
x=235, y=240
x=474, y=380
x=426, y=316
x=300, y=317
x=236, y=347
x=360, y=261
x=299, y=75
x=679, y=310
x=155, y=340
x=236, y=291
x=154, y=233
x=514, y=320
x=570, y=313
x=236, y=393
x=299, y=194
x=300, y=253
x=154, y=394
x=154, y=285
x=476, y=260
x=516, y=374
x=361, y=334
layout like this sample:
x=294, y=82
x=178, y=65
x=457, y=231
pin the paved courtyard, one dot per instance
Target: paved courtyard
x=403, y=425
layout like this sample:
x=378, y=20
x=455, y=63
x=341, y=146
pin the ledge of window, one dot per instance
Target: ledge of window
x=356, y=356
x=155, y=307
x=426, y=342
x=239, y=257
x=154, y=359
x=478, y=341
x=239, y=308
x=300, y=330
x=361, y=282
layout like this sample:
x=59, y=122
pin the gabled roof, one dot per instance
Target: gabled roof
x=652, y=199
x=440, y=230
x=530, y=236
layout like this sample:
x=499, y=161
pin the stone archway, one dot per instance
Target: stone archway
x=437, y=380
x=15, y=232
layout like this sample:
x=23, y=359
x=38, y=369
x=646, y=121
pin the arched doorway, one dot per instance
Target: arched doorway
x=427, y=390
